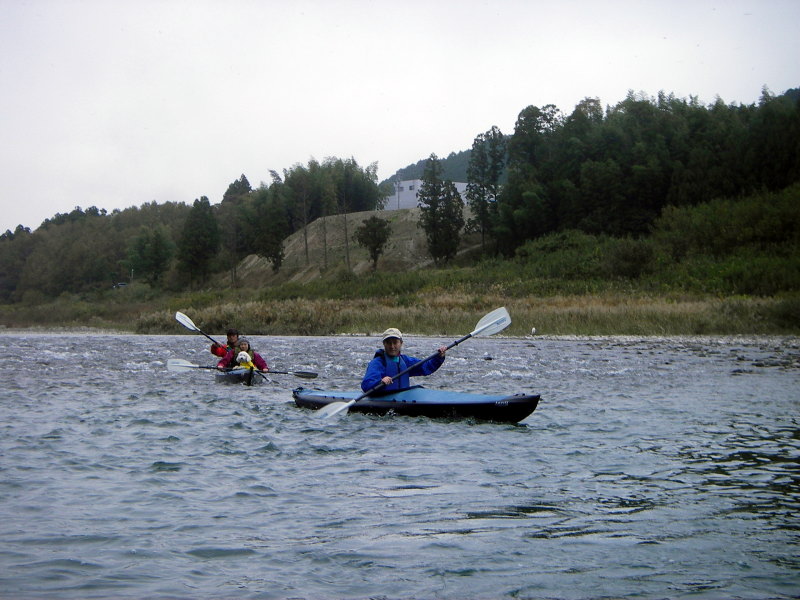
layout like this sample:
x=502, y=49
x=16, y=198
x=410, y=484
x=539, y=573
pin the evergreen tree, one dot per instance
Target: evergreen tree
x=300, y=190
x=15, y=248
x=442, y=212
x=327, y=188
x=486, y=164
x=523, y=207
x=233, y=218
x=199, y=242
x=232, y=214
x=150, y=254
x=237, y=190
x=271, y=224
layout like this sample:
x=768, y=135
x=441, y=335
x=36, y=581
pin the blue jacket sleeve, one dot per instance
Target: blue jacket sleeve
x=426, y=368
x=374, y=374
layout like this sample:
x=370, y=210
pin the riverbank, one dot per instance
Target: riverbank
x=575, y=315
x=451, y=314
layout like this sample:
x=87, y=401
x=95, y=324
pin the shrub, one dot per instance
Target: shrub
x=785, y=314
x=724, y=226
x=760, y=275
x=629, y=258
x=563, y=255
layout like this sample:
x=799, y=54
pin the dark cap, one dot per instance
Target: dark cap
x=232, y=332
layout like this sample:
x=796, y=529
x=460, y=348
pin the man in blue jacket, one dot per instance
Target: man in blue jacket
x=388, y=362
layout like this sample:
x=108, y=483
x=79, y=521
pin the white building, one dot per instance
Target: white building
x=405, y=194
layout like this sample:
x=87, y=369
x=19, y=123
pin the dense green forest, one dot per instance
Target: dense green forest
x=663, y=184
x=175, y=246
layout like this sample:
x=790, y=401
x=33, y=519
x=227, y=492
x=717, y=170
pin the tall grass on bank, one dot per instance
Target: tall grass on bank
x=321, y=317
x=75, y=312
x=624, y=315
x=436, y=306
x=456, y=315
x=449, y=314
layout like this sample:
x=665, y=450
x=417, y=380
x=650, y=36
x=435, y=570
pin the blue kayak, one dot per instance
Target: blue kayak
x=418, y=401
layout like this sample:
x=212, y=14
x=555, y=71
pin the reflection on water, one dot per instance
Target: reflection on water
x=651, y=468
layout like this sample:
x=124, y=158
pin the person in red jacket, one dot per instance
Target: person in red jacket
x=218, y=349
x=229, y=361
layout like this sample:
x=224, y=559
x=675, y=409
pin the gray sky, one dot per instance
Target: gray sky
x=114, y=103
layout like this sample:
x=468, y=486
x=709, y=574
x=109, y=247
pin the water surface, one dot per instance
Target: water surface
x=652, y=468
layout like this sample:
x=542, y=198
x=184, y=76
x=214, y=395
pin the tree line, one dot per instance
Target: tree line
x=608, y=172
x=611, y=171
x=175, y=245
x=614, y=171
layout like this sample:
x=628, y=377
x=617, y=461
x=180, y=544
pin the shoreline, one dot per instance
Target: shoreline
x=790, y=340
x=449, y=314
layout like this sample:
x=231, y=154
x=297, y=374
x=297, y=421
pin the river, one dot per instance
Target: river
x=652, y=468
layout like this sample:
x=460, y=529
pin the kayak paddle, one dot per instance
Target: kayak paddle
x=178, y=364
x=495, y=321
x=189, y=324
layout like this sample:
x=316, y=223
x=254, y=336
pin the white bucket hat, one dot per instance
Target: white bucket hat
x=392, y=333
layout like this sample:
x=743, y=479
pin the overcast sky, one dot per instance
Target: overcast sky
x=117, y=103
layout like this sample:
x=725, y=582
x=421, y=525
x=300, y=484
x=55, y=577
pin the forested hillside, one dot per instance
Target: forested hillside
x=614, y=171
x=642, y=171
x=454, y=168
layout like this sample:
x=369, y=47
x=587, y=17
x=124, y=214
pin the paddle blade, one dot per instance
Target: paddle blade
x=334, y=408
x=301, y=374
x=177, y=364
x=304, y=374
x=185, y=321
x=495, y=321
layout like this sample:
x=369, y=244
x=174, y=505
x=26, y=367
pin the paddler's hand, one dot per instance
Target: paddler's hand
x=442, y=350
x=386, y=380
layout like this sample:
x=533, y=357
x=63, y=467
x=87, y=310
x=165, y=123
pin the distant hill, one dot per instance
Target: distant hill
x=454, y=168
x=406, y=249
